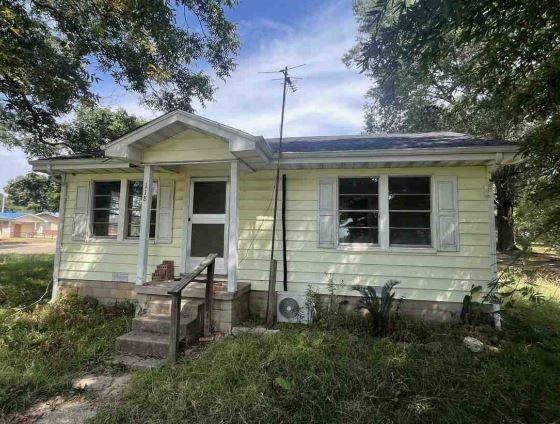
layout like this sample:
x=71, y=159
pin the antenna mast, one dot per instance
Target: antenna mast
x=271, y=303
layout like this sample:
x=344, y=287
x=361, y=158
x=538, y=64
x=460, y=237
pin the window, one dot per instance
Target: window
x=409, y=211
x=134, y=206
x=358, y=210
x=106, y=208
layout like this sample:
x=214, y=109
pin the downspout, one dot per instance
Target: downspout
x=284, y=255
x=496, y=307
x=59, y=235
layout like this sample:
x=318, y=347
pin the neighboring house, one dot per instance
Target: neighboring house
x=21, y=224
x=418, y=208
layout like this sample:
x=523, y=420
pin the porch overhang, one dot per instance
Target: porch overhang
x=242, y=145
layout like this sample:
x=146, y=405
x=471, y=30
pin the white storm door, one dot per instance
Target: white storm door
x=208, y=229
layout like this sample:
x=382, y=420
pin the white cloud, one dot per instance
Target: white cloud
x=330, y=97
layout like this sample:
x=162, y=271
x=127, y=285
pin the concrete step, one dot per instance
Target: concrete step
x=161, y=324
x=144, y=344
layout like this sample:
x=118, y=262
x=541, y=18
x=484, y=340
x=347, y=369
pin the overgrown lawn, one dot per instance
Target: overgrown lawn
x=311, y=375
x=44, y=347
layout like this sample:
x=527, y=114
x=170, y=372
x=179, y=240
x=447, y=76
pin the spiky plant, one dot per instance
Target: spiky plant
x=379, y=307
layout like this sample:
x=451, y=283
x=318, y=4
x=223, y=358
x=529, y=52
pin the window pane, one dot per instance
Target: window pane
x=409, y=219
x=106, y=202
x=358, y=219
x=357, y=186
x=107, y=188
x=209, y=197
x=206, y=239
x=410, y=237
x=105, y=215
x=354, y=202
x=407, y=185
x=409, y=202
x=105, y=230
x=358, y=235
x=134, y=207
x=408, y=196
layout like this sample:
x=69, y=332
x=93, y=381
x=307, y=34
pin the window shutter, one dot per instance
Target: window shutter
x=81, y=220
x=327, y=212
x=164, y=221
x=447, y=213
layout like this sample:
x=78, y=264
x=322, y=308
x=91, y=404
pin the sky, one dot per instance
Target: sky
x=329, y=99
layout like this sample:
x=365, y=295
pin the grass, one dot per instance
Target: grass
x=24, y=279
x=43, y=348
x=306, y=374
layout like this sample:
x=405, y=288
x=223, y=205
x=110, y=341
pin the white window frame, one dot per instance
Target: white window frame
x=122, y=224
x=125, y=224
x=337, y=220
x=383, y=220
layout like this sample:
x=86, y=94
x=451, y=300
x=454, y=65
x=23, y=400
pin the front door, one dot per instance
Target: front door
x=207, y=232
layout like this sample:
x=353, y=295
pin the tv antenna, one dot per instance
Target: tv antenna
x=288, y=82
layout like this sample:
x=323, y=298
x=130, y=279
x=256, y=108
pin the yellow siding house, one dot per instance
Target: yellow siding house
x=417, y=208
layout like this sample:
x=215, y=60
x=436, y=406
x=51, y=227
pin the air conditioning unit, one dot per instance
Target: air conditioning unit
x=292, y=308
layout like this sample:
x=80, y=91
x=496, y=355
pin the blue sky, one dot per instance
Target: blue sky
x=329, y=99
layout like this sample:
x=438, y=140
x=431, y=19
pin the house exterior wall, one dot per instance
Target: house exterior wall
x=5, y=229
x=100, y=259
x=434, y=276
x=188, y=146
x=424, y=276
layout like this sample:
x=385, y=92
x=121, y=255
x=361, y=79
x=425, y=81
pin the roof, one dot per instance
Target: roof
x=11, y=215
x=431, y=140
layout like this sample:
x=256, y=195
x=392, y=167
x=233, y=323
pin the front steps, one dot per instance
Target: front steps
x=150, y=330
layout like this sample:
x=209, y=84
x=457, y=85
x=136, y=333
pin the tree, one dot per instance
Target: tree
x=92, y=128
x=488, y=68
x=34, y=192
x=54, y=51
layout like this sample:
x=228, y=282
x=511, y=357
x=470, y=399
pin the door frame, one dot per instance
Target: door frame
x=221, y=265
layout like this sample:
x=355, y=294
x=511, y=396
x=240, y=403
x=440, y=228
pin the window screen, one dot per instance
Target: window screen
x=134, y=207
x=409, y=211
x=358, y=211
x=106, y=208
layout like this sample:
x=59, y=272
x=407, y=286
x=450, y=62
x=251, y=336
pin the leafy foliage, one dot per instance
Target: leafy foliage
x=55, y=51
x=328, y=310
x=34, y=192
x=379, y=307
x=486, y=68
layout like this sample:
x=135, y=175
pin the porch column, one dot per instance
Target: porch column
x=142, y=265
x=232, y=236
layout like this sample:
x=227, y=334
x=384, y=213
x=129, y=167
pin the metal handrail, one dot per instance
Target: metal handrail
x=208, y=263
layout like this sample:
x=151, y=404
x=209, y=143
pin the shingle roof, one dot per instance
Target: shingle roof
x=11, y=215
x=382, y=142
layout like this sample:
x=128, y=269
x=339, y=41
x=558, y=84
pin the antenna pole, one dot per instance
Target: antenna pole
x=271, y=303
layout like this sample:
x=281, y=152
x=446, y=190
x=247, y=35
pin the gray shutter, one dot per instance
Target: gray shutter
x=164, y=222
x=326, y=234
x=447, y=213
x=81, y=209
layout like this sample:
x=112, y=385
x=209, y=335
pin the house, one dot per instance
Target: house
x=21, y=224
x=418, y=208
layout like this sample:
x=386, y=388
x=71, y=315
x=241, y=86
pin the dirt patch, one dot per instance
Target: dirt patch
x=94, y=392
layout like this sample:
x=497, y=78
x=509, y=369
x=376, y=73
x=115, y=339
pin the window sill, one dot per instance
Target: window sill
x=115, y=241
x=393, y=250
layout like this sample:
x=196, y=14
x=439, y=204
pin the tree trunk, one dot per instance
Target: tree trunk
x=504, y=179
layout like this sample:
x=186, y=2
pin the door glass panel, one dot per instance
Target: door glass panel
x=209, y=197
x=206, y=239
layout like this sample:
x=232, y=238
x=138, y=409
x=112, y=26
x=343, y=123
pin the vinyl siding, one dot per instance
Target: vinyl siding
x=188, y=146
x=98, y=259
x=443, y=276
